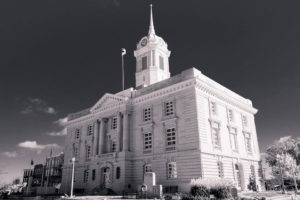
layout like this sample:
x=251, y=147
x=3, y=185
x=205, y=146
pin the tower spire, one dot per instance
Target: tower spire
x=151, y=27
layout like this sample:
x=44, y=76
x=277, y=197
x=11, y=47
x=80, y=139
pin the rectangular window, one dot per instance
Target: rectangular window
x=85, y=176
x=93, y=174
x=244, y=121
x=171, y=138
x=77, y=133
x=147, y=141
x=75, y=152
x=90, y=130
x=216, y=137
x=113, y=146
x=147, y=114
x=230, y=116
x=252, y=170
x=220, y=169
x=248, y=142
x=213, y=108
x=161, y=62
x=233, y=138
x=114, y=123
x=233, y=141
x=144, y=63
x=172, y=170
x=88, y=152
x=169, y=108
x=148, y=168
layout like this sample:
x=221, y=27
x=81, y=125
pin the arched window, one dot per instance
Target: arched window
x=118, y=172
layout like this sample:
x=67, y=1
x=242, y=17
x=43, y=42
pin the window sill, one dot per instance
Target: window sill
x=168, y=149
x=147, y=123
x=147, y=151
x=218, y=148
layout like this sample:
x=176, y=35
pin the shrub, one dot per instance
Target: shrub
x=221, y=192
x=199, y=190
x=220, y=188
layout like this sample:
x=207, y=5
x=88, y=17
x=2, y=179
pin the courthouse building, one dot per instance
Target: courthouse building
x=180, y=127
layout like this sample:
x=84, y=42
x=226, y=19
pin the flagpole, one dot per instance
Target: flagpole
x=122, y=72
x=123, y=53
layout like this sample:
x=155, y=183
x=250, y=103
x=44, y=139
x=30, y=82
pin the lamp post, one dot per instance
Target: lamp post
x=72, y=183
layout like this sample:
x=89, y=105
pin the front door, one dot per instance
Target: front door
x=238, y=176
x=106, y=177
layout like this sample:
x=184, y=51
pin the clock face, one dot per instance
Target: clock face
x=144, y=42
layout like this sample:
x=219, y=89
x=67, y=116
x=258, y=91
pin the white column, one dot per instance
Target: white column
x=96, y=138
x=101, y=136
x=119, y=135
x=125, y=132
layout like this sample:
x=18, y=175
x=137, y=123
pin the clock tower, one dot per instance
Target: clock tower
x=152, y=58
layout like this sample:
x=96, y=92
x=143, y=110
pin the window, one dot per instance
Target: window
x=220, y=169
x=144, y=63
x=148, y=168
x=172, y=170
x=113, y=146
x=216, y=136
x=230, y=116
x=118, y=172
x=161, y=62
x=248, y=142
x=238, y=175
x=244, y=121
x=147, y=141
x=171, y=138
x=169, y=108
x=77, y=133
x=213, y=108
x=233, y=141
x=85, y=176
x=252, y=171
x=170, y=189
x=90, y=130
x=147, y=114
x=233, y=138
x=88, y=152
x=114, y=123
x=75, y=152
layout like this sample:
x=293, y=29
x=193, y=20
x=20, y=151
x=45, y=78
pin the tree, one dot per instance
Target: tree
x=284, y=156
x=16, y=181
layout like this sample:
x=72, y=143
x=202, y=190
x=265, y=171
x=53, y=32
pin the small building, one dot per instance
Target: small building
x=53, y=170
x=38, y=175
x=26, y=174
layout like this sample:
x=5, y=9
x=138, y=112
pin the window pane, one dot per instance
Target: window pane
x=144, y=63
x=161, y=62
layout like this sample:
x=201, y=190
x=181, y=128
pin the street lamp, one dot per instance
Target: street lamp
x=72, y=183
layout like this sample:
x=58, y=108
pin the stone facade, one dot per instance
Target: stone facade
x=184, y=127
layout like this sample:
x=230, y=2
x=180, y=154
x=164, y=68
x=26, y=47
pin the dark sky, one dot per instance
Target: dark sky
x=58, y=57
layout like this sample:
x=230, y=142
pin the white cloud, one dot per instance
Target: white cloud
x=12, y=154
x=33, y=145
x=63, y=132
x=37, y=105
x=61, y=121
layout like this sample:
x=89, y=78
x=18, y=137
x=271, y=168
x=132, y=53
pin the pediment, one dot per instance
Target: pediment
x=107, y=99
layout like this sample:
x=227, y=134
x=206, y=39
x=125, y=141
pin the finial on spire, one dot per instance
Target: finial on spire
x=151, y=27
